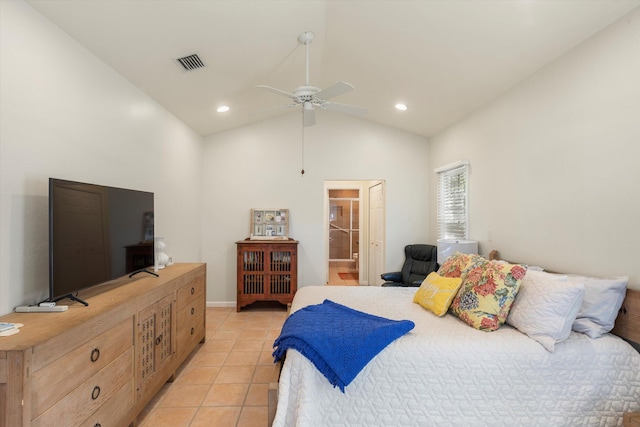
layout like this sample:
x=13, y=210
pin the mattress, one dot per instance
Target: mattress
x=444, y=372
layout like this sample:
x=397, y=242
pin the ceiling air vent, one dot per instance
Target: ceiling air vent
x=191, y=62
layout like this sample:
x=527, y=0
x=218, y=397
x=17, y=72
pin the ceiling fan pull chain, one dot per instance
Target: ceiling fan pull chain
x=302, y=160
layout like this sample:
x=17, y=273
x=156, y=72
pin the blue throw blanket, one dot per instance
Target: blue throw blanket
x=338, y=340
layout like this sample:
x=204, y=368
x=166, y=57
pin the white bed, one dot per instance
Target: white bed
x=444, y=372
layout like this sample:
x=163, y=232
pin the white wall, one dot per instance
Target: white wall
x=258, y=166
x=65, y=114
x=554, y=177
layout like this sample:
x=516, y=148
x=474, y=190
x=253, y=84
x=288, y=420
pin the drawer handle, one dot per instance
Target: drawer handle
x=193, y=290
x=192, y=331
x=98, y=425
x=159, y=339
x=193, y=310
x=95, y=355
x=95, y=393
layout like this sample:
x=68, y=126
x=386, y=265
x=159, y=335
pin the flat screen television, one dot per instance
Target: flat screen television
x=96, y=234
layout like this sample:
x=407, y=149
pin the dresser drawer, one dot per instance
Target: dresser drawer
x=190, y=292
x=112, y=412
x=190, y=327
x=76, y=407
x=60, y=377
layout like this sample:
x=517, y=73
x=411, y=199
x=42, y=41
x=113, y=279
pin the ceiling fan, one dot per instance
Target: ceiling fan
x=310, y=97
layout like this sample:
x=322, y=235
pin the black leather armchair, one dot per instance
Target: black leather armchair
x=420, y=260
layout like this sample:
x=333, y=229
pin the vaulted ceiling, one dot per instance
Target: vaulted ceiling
x=442, y=58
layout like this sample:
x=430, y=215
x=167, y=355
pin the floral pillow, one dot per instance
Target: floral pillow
x=456, y=263
x=487, y=293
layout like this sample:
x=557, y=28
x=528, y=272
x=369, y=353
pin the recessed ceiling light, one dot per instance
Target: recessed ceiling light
x=223, y=109
x=401, y=107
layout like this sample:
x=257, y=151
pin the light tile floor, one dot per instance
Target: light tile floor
x=225, y=380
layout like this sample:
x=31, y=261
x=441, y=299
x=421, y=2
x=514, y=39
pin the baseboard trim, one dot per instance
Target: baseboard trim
x=221, y=304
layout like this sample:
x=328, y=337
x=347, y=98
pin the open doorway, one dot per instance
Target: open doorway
x=344, y=236
x=348, y=234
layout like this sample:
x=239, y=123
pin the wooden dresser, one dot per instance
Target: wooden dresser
x=631, y=419
x=100, y=365
x=267, y=271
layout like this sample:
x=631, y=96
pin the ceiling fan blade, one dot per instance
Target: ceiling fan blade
x=344, y=108
x=308, y=116
x=335, y=90
x=279, y=107
x=277, y=91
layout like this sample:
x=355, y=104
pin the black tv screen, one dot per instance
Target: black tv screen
x=96, y=234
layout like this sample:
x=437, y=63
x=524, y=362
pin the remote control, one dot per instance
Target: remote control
x=35, y=308
x=6, y=326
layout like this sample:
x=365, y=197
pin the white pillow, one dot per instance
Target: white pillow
x=546, y=307
x=602, y=300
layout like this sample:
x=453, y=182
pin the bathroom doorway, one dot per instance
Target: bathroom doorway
x=344, y=236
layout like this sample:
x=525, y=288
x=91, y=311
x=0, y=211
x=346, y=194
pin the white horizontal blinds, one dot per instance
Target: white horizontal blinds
x=453, y=201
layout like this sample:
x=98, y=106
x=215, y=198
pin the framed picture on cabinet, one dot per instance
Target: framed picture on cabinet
x=269, y=224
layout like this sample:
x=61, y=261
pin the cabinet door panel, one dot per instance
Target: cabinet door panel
x=155, y=343
x=164, y=330
x=145, y=346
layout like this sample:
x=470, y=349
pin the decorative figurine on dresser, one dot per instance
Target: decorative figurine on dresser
x=267, y=261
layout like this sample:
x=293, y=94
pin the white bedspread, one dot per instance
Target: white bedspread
x=447, y=373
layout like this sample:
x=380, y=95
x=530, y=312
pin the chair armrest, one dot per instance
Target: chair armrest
x=417, y=283
x=395, y=276
x=393, y=285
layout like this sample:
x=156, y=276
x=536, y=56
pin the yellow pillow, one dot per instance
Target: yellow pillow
x=437, y=292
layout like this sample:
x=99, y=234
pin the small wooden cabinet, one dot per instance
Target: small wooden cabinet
x=267, y=271
x=139, y=256
x=101, y=365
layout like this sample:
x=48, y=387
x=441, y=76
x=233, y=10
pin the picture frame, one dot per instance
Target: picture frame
x=269, y=224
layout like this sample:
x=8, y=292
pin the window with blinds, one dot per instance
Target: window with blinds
x=453, y=218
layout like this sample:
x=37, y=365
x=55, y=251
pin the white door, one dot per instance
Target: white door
x=376, y=233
